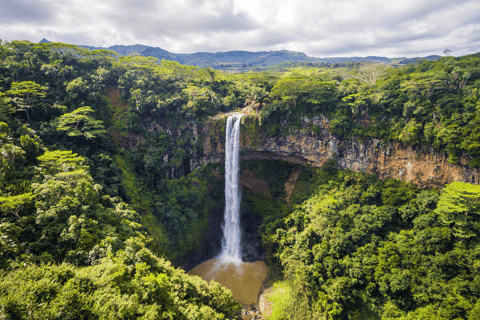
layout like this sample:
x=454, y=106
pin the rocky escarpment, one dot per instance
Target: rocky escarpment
x=313, y=144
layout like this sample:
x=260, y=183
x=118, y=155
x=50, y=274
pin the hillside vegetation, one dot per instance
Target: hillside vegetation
x=353, y=247
x=97, y=193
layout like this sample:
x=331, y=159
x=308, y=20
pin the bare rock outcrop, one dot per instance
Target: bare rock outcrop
x=422, y=166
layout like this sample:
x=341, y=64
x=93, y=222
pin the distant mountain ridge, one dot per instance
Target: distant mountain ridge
x=244, y=59
x=207, y=59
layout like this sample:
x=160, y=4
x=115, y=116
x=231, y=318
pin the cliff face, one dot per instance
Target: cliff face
x=421, y=166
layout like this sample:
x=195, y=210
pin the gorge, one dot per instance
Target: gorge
x=362, y=197
x=243, y=278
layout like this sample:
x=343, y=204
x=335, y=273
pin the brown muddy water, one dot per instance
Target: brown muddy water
x=244, y=279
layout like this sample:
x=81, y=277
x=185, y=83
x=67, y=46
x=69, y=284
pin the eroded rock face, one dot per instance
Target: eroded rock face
x=422, y=166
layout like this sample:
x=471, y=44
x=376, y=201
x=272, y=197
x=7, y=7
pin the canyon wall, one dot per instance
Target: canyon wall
x=313, y=144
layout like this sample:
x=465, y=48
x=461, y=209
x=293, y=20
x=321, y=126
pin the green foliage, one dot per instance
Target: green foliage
x=201, y=101
x=281, y=299
x=14, y=204
x=25, y=93
x=409, y=133
x=289, y=89
x=434, y=103
x=176, y=214
x=178, y=71
x=6, y=108
x=140, y=201
x=359, y=248
x=57, y=161
x=276, y=173
x=70, y=245
x=310, y=89
x=459, y=208
x=114, y=289
x=79, y=123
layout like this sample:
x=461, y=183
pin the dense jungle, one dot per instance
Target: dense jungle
x=105, y=200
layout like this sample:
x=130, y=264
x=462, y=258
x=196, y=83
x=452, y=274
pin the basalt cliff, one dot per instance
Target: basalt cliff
x=425, y=167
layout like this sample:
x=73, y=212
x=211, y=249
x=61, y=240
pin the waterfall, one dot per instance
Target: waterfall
x=231, y=231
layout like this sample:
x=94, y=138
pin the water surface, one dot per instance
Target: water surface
x=244, y=279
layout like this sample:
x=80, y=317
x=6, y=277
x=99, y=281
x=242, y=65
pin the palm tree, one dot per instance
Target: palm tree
x=257, y=99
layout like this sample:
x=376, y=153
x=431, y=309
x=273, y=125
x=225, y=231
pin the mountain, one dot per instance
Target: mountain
x=230, y=59
x=244, y=59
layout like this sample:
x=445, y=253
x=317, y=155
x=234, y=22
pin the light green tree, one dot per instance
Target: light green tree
x=459, y=207
x=257, y=99
x=61, y=161
x=80, y=123
x=76, y=87
x=178, y=71
x=210, y=73
x=6, y=108
x=14, y=204
x=370, y=72
x=25, y=94
x=289, y=89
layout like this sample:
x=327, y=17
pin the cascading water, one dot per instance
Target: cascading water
x=243, y=278
x=231, y=231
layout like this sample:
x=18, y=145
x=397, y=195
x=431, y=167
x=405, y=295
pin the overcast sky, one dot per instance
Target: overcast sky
x=321, y=28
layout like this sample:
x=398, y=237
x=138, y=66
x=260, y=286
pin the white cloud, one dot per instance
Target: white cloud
x=319, y=28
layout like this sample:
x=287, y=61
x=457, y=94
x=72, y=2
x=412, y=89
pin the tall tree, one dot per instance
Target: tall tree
x=459, y=207
x=25, y=94
x=370, y=72
x=80, y=123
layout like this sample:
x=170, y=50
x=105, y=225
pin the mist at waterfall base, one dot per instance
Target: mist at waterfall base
x=244, y=279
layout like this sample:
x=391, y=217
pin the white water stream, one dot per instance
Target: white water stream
x=231, y=231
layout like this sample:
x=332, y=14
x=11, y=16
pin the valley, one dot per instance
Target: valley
x=358, y=198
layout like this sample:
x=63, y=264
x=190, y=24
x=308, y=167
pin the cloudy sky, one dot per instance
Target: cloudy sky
x=320, y=28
